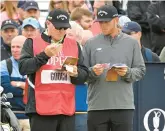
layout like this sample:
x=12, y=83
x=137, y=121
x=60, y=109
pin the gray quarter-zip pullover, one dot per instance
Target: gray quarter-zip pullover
x=104, y=95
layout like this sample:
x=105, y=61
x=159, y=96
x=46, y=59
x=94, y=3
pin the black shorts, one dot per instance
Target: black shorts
x=110, y=120
x=51, y=123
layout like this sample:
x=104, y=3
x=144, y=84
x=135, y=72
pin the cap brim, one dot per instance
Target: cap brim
x=8, y=26
x=102, y=20
x=124, y=30
x=23, y=26
x=60, y=25
x=31, y=7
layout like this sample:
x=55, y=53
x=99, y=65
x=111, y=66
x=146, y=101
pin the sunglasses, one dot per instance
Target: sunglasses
x=60, y=28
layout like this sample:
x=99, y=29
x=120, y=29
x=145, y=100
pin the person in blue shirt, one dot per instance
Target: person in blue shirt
x=30, y=28
x=134, y=30
x=12, y=81
x=9, y=30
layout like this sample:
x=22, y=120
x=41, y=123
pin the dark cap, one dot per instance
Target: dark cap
x=59, y=18
x=131, y=27
x=106, y=13
x=9, y=24
x=21, y=4
x=31, y=5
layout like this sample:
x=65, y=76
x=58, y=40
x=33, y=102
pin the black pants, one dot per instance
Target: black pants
x=52, y=123
x=110, y=120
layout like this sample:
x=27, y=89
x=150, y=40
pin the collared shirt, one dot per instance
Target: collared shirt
x=52, y=41
x=16, y=102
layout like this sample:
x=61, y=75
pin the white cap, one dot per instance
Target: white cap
x=123, y=20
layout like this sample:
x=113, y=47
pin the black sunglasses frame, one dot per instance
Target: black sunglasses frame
x=60, y=28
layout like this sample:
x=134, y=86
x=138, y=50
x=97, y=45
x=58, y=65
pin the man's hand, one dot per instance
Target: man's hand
x=53, y=50
x=98, y=69
x=121, y=71
x=72, y=70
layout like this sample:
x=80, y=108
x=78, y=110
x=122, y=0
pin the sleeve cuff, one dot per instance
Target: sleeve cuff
x=127, y=75
x=92, y=72
x=43, y=54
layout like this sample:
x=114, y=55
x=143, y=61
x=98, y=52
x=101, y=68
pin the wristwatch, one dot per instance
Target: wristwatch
x=18, y=84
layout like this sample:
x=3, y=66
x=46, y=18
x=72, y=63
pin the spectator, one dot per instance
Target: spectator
x=32, y=10
x=30, y=28
x=122, y=20
x=83, y=17
x=162, y=55
x=72, y=4
x=9, y=30
x=58, y=4
x=137, y=12
x=20, y=10
x=156, y=18
x=12, y=81
x=51, y=104
x=69, y=5
x=111, y=101
x=87, y=5
x=9, y=11
x=134, y=30
x=77, y=33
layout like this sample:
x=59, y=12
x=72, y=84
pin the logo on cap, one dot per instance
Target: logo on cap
x=101, y=13
x=31, y=3
x=49, y=18
x=8, y=21
x=62, y=17
x=115, y=15
x=126, y=25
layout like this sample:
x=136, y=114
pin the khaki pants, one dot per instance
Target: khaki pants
x=24, y=124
